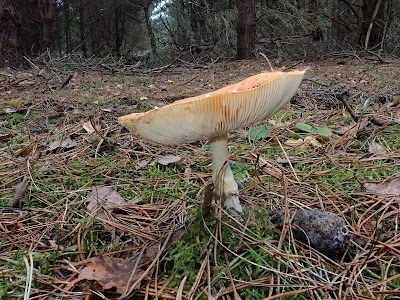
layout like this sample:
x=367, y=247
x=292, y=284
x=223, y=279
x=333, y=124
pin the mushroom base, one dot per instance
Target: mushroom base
x=224, y=181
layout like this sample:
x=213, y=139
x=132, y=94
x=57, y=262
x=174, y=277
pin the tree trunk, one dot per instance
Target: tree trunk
x=312, y=5
x=10, y=42
x=150, y=33
x=67, y=28
x=48, y=20
x=82, y=27
x=198, y=22
x=246, y=29
x=372, y=27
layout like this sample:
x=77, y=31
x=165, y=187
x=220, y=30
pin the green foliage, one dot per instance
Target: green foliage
x=13, y=119
x=260, y=132
x=316, y=130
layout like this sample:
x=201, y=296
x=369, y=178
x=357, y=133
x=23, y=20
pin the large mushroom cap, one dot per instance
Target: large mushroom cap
x=216, y=113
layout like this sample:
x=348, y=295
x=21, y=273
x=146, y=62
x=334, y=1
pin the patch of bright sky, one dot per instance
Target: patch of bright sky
x=158, y=10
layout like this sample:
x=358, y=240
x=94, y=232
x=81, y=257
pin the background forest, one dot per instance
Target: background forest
x=90, y=211
x=154, y=29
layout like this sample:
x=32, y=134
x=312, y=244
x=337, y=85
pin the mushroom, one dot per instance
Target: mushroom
x=212, y=116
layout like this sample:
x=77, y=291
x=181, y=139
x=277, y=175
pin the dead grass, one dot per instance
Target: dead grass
x=249, y=259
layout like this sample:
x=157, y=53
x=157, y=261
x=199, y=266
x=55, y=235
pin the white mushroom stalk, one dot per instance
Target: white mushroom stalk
x=212, y=116
x=224, y=181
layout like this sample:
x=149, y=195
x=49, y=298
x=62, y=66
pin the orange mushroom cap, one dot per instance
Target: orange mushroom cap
x=216, y=113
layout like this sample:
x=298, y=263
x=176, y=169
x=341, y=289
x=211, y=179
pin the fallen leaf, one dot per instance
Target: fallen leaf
x=188, y=173
x=395, y=102
x=88, y=127
x=11, y=110
x=102, y=199
x=376, y=148
x=66, y=144
x=303, y=143
x=284, y=160
x=4, y=137
x=168, y=159
x=110, y=273
x=19, y=191
x=353, y=128
x=142, y=164
x=313, y=141
x=37, y=152
x=387, y=187
x=295, y=143
x=3, y=123
x=24, y=151
x=16, y=104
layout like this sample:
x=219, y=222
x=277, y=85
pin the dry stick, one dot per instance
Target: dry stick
x=291, y=293
x=286, y=222
x=356, y=118
x=154, y=290
x=371, y=24
x=235, y=293
x=146, y=295
x=134, y=269
x=209, y=296
x=179, y=294
x=156, y=278
x=268, y=62
x=385, y=275
x=348, y=108
x=287, y=157
x=66, y=81
x=200, y=273
x=148, y=268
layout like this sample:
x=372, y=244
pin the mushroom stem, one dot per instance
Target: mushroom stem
x=225, y=184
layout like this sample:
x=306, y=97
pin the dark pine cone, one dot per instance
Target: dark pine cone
x=322, y=230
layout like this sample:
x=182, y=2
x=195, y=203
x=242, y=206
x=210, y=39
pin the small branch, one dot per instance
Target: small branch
x=342, y=99
x=268, y=62
x=66, y=81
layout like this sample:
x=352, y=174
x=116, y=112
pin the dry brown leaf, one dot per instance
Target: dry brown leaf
x=4, y=137
x=168, y=159
x=88, y=125
x=24, y=151
x=103, y=198
x=19, y=191
x=284, y=160
x=110, y=273
x=387, y=187
x=376, y=148
x=66, y=144
x=395, y=102
x=11, y=110
x=142, y=164
x=352, y=129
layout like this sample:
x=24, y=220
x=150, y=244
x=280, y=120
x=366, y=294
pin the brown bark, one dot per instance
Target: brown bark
x=198, y=20
x=10, y=42
x=82, y=27
x=67, y=28
x=150, y=33
x=246, y=29
x=48, y=20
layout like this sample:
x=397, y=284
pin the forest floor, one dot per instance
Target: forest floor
x=89, y=211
